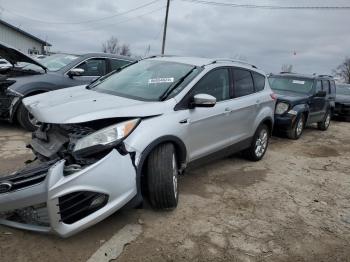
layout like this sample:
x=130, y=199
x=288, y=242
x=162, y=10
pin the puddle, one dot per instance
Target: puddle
x=320, y=151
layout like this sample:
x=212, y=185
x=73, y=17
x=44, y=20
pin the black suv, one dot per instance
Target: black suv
x=302, y=100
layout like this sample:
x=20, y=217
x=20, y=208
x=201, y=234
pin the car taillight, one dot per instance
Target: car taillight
x=273, y=96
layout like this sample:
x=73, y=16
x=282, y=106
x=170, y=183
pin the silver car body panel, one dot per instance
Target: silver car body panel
x=95, y=178
x=201, y=130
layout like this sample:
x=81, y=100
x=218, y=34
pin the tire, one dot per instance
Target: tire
x=297, y=130
x=324, y=124
x=261, y=134
x=162, y=177
x=25, y=119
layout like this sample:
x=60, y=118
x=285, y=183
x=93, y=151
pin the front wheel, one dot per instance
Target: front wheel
x=324, y=124
x=162, y=177
x=298, y=128
x=26, y=119
x=259, y=144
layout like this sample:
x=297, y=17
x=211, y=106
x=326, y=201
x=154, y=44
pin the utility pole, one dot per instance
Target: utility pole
x=165, y=25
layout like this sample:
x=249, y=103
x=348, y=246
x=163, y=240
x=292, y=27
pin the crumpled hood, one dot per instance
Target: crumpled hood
x=14, y=56
x=78, y=104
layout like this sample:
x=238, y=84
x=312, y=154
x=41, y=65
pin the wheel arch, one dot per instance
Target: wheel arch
x=181, y=153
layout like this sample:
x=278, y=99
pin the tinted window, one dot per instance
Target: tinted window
x=215, y=83
x=115, y=64
x=243, y=83
x=318, y=86
x=326, y=87
x=93, y=67
x=259, y=81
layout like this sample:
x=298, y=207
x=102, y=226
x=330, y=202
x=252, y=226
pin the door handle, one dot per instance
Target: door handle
x=227, y=109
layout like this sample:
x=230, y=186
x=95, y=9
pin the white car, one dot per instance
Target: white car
x=4, y=64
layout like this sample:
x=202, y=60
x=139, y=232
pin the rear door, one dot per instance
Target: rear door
x=211, y=129
x=245, y=104
x=117, y=63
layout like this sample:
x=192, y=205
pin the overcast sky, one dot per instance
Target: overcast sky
x=311, y=40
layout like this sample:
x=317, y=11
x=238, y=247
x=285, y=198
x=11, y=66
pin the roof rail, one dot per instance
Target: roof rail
x=325, y=76
x=231, y=60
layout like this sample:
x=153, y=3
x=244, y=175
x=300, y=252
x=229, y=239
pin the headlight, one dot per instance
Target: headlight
x=281, y=108
x=108, y=135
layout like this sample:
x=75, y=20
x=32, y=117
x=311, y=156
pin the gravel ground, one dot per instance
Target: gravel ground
x=292, y=206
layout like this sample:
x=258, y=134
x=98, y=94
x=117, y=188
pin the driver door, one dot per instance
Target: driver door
x=209, y=129
x=93, y=69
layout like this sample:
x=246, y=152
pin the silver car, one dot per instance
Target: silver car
x=128, y=135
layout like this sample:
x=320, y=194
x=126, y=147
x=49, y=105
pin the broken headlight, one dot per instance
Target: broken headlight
x=108, y=136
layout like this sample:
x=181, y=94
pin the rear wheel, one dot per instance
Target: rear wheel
x=26, y=119
x=259, y=144
x=324, y=124
x=296, y=131
x=162, y=177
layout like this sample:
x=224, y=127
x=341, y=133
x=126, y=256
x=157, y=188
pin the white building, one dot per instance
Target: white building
x=22, y=40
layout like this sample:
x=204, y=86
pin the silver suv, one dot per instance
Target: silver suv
x=129, y=134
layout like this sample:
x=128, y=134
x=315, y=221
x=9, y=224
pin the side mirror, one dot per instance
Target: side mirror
x=203, y=100
x=321, y=94
x=76, y=72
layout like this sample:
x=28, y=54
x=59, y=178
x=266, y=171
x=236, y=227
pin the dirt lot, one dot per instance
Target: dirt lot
x=292, y=206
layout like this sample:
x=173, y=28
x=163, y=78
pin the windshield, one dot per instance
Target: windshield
x=53, y=62
x=343, y=90
x=147, y=80
x=299, y=85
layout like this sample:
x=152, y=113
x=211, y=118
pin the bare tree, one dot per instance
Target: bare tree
x=111, y=46
x=287, y=68
x=343, y=70
x=125, y=50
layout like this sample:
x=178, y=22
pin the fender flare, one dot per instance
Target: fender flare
x=302, y=108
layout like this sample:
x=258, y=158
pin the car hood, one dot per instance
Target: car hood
x=290, y=96
x=78, y=105
x=14, y=56
x=342, y=99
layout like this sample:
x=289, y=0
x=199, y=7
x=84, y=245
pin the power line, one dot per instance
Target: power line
x=115, y=24
x=204, y=2
x=86, y=21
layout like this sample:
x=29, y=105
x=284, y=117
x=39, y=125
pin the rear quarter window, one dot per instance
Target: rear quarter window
x=259, y=81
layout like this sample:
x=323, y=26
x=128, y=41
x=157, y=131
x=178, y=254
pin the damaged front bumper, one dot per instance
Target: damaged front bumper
x=49, y=199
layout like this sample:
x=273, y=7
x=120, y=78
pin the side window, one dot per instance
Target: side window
x=259, y=81
x=326, y=86
x=93, y=67
x=115, y=63
x=215, y=83
x=333, y=88
x=243, y=83
x=318, y=86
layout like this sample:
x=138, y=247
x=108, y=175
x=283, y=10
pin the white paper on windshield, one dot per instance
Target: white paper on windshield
x=299, y=82
x=161, y=80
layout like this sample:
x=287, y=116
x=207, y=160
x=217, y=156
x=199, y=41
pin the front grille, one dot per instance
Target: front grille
x=78, y=205
x=24, y=178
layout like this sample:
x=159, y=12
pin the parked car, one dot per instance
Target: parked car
x=302, y=100
x=4, y=64
x=342, y=101
x=129, y=135
x=51, y=73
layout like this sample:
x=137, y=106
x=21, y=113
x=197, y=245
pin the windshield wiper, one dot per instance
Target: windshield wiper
x=171, y=88
x=102, y=78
